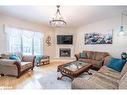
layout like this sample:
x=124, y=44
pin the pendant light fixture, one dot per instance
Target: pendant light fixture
x=122, y=32
x=57, y=20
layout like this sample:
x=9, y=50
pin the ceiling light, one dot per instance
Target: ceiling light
x=122, y=32
x=57, y=20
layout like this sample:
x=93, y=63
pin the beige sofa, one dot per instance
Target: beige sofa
x=93, y=57
x=105, y=78
x=16, y=68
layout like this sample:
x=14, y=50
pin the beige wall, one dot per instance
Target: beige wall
x=11, y=21
x=119, y=43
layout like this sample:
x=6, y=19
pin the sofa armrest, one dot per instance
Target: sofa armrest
x=77, y=56
x=107, y=59
x=80, y=83
x=9, y=62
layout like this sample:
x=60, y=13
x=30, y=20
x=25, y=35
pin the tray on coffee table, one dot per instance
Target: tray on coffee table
x=73, y=69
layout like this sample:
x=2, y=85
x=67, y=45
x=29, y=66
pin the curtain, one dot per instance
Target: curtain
x=27, y=42
x=24, y=41
x=38, y=43
x=13, y=39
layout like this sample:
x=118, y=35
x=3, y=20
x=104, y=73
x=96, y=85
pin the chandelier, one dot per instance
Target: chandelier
x=57, y=20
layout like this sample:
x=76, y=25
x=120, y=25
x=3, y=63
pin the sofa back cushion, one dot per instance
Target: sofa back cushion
x=83, y=55
x=6, y=56
x=90, y=54
x=116, y=64
x=96, y=55
x=123, y=82
x=99, y=56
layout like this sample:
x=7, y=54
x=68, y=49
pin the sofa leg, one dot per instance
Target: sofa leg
x=17, y=76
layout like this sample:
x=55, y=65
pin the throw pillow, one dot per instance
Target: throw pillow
x=116, y=64
x=83, y=55
x=14, y=57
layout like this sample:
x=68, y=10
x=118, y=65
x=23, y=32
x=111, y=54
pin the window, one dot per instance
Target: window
x=24, y=41
x=38, y=44
x=27, y=42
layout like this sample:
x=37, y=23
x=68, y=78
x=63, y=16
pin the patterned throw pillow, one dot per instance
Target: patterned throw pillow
x=116, y=64
x=83, y=55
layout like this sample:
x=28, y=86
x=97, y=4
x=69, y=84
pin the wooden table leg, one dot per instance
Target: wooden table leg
x=89, y=73
x=65, y=75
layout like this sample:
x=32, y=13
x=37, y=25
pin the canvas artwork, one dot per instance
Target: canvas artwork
x=99, y=38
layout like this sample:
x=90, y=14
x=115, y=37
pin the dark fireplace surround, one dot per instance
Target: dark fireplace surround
x=65, y=52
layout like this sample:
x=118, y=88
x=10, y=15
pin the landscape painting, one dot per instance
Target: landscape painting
x=98, y=38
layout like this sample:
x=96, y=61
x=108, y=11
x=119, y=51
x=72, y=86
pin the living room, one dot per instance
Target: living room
x=79, y=54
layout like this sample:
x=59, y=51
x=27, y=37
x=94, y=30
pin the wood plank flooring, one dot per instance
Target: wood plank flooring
x=8, y=82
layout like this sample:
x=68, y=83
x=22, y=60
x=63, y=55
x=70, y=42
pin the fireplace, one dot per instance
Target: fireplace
x=65, y=52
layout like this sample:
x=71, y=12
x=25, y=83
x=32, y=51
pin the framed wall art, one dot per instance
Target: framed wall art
x=99, y=38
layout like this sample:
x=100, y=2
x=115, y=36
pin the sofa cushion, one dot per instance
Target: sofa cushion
x=104, y=82
x=124, y=70
x=110, y=72
x=123, y=82
x=81, y=83
x=116, y=64
x=85, y=60
x=6, y=56
x=108, y=77
x=96, y=63
x=25, y=65
x=99, y=56
x=83, y=55
x=89, y=54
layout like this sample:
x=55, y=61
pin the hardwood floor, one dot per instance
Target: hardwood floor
x=28, y=80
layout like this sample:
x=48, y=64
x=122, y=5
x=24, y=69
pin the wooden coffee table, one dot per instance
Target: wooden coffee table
x=73, y=69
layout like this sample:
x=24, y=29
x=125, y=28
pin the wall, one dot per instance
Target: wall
x=119, y=43
x=11, y=21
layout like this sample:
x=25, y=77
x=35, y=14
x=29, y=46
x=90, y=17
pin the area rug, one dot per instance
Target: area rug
x=49, y=80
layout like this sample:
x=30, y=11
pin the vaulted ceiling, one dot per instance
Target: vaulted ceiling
x=74, y=15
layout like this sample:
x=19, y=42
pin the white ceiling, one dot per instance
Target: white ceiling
x=74, y=15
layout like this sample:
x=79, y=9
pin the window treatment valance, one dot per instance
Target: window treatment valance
x=14, y=32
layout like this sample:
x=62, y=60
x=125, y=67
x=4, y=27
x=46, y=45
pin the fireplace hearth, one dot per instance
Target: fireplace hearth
x=65, y=52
